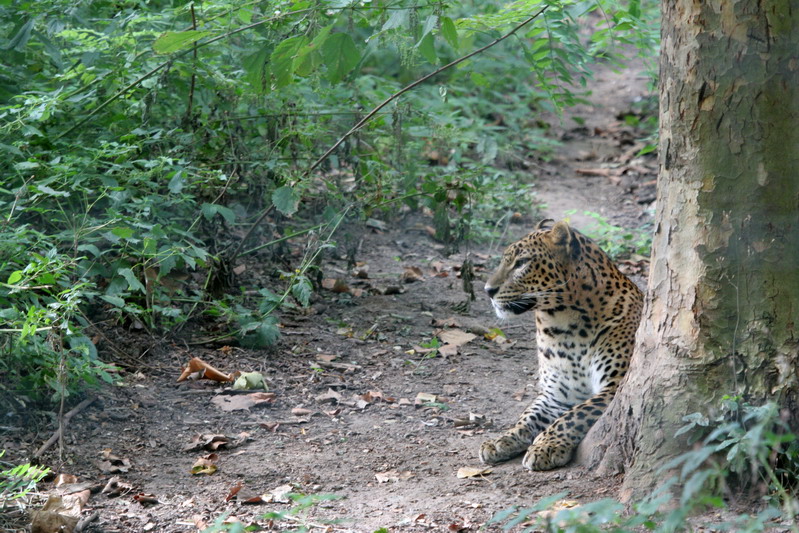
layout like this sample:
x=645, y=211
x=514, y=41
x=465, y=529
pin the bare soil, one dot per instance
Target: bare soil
x=346, y=376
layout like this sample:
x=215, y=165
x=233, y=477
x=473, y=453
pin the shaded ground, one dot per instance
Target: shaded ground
x=346, y=376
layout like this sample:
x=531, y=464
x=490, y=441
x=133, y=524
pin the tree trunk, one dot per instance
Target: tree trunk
x=723, y=298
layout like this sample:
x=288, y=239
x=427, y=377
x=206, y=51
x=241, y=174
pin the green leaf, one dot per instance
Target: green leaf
x=449, y=32
x=340, y=56
x=285, y=199
x=95, y=251
x=429, y=25
x=302, y=289
x=26, y=165
x=398, y=19
x=283, y=59
x=245, y=15
x=209, y=210
x=478, y=79
x=21, y=38
x=133, y=283
x=257, y=72
x=14, y=277
x=172, y=41
x=310, y=56
x=123, y=232
x=261, y=334
x=52, y=192
x=427, y=48
x=116, y=301
x=176, y=183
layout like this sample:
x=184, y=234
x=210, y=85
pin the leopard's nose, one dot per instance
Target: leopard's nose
x=491, y=291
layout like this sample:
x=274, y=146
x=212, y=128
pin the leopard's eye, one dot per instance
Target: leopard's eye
x=520, y=262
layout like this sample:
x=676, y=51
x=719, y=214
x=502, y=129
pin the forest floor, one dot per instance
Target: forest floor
x=357, y=409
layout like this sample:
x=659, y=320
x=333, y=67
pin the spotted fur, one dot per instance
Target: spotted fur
x=586, y=314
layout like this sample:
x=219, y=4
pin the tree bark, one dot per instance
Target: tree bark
x=722, y=302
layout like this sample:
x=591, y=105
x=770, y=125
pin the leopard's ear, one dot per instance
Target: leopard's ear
x=563, y=237
x=543, y=223
x=561, y=234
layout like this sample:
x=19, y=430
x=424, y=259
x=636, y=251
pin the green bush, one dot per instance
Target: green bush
x=148, y=146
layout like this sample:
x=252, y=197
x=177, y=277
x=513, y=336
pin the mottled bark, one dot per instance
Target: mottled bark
x=723, y=298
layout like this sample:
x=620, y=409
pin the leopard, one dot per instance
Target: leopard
x=586, y=315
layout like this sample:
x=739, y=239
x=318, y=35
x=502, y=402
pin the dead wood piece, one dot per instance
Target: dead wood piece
x=347, y=367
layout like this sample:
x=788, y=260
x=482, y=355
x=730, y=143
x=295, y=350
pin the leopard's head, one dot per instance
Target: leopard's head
x=534, y=270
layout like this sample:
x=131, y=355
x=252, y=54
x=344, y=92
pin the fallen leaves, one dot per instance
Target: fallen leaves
x=214, y=442
x=453, y=339
x=393, y=476
x=205, y=465
x=112, y=464
x=58, y=514
x=425, y=398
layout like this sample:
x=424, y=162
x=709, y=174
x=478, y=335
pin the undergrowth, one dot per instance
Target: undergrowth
x=742, y=448
x=151, y=150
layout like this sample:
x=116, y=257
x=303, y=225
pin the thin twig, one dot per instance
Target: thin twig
x=193, y=72
x=421, y=80
x=64, y=421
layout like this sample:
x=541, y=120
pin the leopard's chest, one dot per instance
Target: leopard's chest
x=566, y=360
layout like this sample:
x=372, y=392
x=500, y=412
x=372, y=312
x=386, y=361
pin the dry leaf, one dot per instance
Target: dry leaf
x=412, y=274
x=301, y=411
x=468, y=472
x=243, y=401
x=207, y=442
x=557, y=507
x=372, y=396
x=233, y=491
x=449, y=322
x=335, y=285
x=113, y=464
x=392, y=289
x=361, y=271
x=456, y=337
x=54, y=517
x=392, y=476
x=330, y=396
x=146, y=499
x=65, y=479
x=205, y=465
x=424, y=398
x=115, y=487
x=448, y=350
x=278, y=494
x=199, y=522
x=202, y=370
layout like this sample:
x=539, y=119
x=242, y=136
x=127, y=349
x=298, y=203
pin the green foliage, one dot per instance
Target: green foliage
x=618, y=242
x=16, y=482
x=743, y=443
x=298, y=515
x=141, y=142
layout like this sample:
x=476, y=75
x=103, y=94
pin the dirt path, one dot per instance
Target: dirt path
x=346, y=377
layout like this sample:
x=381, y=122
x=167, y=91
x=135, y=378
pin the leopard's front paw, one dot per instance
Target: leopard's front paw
x=501, y=449
x=546, y=456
